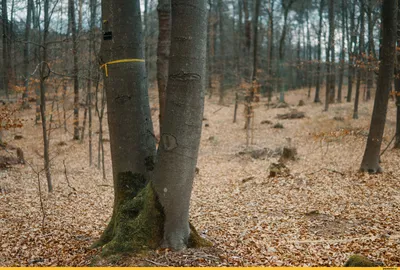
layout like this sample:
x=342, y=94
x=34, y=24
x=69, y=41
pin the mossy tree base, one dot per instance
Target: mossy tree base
x=137, y=225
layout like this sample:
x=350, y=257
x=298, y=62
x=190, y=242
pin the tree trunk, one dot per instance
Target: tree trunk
x=44, y=73
x=317, y=89
x=371, y=49
x=178, y=151
x=222, y=45
x=332, y=77
x=6, y=65
x=352, y=58
x=330, y=58
x=143, y=217
x=360, y=60
x=25, y=101
x=247, y=33
x=370, y=162
x=397, y=83
x=131, y=132
x=270, y=48
x=164, y=21
x=71, y=9
x=342, y=53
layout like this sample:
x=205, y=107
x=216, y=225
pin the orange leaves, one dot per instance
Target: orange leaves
x=8, y=119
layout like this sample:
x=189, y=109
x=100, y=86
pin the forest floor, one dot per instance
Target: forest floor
x=317, y=213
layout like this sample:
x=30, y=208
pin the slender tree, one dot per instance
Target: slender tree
x=352, y=38
x=317, y=89
x=360, y=59
x=222, y=44
x=6, y=64
x=29, y=4
x=72, y=25
x=371, y=158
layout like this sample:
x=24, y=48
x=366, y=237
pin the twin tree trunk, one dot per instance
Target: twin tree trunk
x=152, y=191
x=370, y=162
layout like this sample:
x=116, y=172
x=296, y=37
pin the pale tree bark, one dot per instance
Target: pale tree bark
x=72, y=25
x=164, y=22
x=371, y=158
x=360, y=59
x=318, y=82
x=178, y=151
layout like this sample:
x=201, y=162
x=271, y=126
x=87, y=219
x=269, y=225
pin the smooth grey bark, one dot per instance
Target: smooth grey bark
x=128, y=107
x=370, y=161
x=179, y=146
x=360, y=59
x=72, y=25
x=164, y=26
x=318, y=89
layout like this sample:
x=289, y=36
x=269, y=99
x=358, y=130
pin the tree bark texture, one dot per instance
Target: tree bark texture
x=370, y=162
x=178, y=151
x=164, y=24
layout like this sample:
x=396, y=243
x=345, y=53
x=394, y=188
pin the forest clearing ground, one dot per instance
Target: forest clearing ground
x=318, y=215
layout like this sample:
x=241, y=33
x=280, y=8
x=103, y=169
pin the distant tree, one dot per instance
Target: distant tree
x=222, y=44
x=330, y=57
x=5, y=36
x=29, y=6
x=360, y=58
x=72, y=25
x=351, y=39
x=317, y=90
x=371, y=158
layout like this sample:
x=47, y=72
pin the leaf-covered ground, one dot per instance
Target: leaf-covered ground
x=316, y=214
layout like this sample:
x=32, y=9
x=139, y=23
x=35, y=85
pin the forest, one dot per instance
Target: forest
x=200, y=133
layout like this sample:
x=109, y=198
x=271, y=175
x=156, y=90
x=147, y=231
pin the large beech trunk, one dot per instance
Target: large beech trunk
x=151, y=203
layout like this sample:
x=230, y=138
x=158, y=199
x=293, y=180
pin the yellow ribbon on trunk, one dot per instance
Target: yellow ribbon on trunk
x=105, y=66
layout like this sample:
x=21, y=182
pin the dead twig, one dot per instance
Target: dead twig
x=155, y=263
